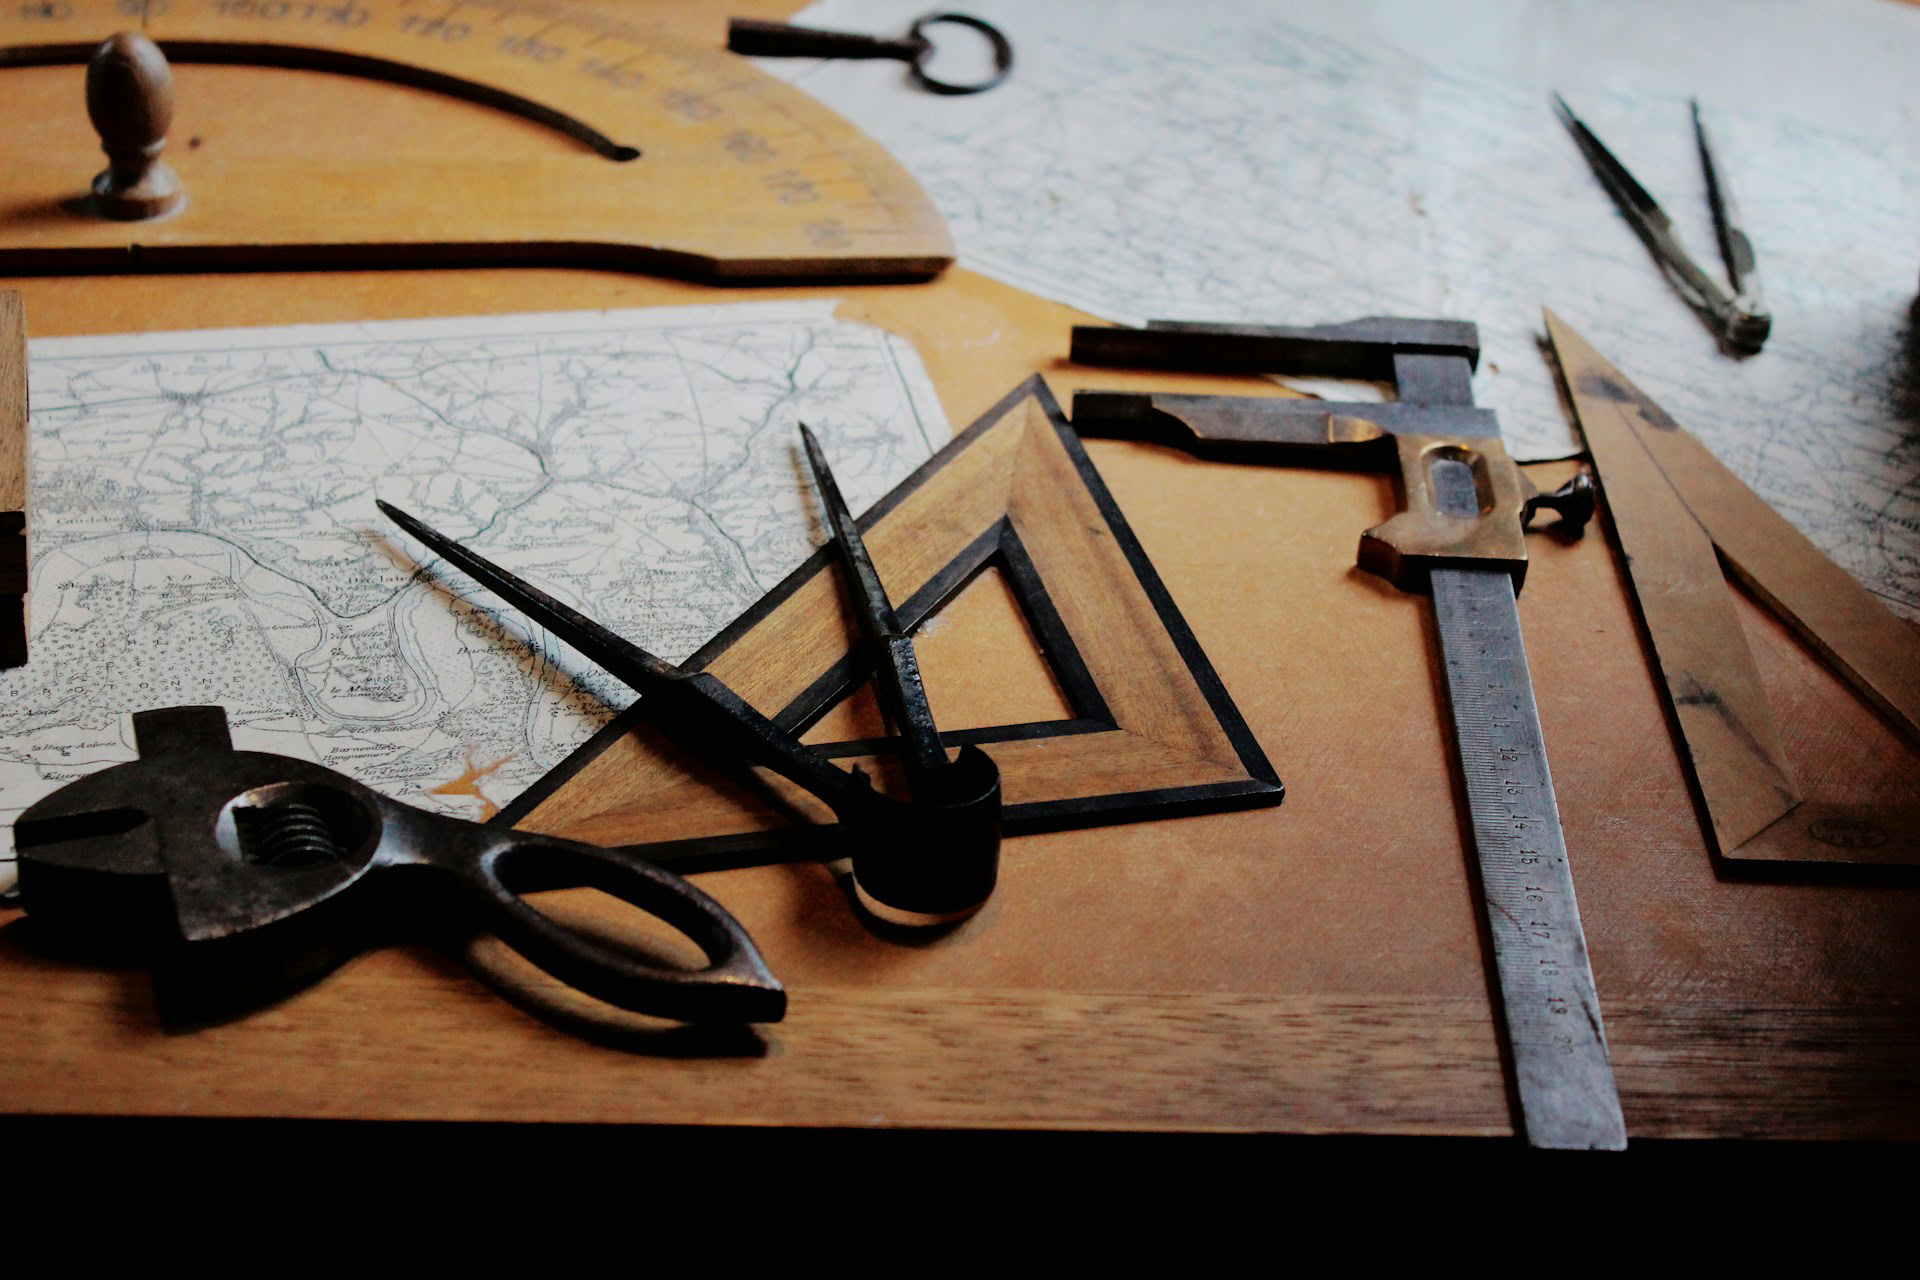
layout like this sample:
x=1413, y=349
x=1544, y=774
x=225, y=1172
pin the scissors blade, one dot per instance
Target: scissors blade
x=902, y=691
x=1655, y=229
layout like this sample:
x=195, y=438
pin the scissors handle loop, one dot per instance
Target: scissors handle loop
x=735, y=986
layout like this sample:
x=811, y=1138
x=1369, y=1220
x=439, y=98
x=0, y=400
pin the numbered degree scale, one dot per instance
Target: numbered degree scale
x=609, y=140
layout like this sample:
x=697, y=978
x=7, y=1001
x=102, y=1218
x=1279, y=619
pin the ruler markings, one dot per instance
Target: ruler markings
x=1551, y=1009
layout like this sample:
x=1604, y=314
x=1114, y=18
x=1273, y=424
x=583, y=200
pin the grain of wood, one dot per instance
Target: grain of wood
x=1712, y=682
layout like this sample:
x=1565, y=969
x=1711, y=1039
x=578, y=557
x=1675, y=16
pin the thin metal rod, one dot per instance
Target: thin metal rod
x=1736, y=250
x=903, y=695
x=696, y=709
x=1620, y=183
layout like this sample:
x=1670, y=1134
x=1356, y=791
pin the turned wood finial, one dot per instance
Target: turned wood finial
x=130, y=99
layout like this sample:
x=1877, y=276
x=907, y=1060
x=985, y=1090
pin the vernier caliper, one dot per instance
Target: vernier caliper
x=1460, y=536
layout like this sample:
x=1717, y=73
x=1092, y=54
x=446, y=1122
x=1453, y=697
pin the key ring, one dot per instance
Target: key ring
x=916, y=66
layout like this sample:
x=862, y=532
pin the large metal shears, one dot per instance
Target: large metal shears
x=270, y=870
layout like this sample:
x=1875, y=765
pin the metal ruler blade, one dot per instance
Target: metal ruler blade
x=1554, y=1033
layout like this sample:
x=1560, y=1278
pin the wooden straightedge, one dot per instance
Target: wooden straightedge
x=1680, y=515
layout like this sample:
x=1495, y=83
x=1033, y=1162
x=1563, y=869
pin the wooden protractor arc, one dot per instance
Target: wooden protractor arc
x=343, y=133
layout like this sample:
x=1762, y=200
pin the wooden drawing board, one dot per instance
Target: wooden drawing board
x=737, y=176
x=1152, y=732
x=1313, y=966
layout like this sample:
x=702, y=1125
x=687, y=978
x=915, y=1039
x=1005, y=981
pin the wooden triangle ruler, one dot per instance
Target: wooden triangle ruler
x=1679, y=514
x=1152, y=733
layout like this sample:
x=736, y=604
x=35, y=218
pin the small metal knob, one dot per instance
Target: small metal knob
x=1573, y=500
x=130, y=100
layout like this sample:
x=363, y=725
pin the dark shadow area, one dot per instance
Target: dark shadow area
x=532, y=993
x=1905, y=392
x=895, y=932
x=30, y=937
x=1435, y=1172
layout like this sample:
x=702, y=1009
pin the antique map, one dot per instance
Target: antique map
x=205, y=529
x=1291, y=162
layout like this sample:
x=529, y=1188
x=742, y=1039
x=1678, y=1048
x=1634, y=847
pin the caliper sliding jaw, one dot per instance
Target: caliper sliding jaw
x=1465, y=502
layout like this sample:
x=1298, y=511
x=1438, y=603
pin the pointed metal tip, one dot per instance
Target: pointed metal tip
x=437, y=542
x=412, y=524
x=1561, y=109
x=816, y=457
x=823, y=479
x=396, y=515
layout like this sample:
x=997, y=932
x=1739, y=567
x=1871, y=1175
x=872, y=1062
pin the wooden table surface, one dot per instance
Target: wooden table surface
x=1312, y=968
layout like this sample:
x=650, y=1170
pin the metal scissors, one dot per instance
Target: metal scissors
x=1739, y=317
x=255, y=873
x=783, y=40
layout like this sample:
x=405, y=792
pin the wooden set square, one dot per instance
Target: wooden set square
x=1153, y=732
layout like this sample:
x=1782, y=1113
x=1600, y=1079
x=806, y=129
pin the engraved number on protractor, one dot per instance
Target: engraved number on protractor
x=736, y=175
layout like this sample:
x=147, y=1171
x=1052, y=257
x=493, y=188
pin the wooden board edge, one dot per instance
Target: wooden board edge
x=1068, y=1060
x=1758, y=815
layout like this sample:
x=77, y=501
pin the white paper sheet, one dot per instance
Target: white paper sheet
x=1293, y=162
x=204, y=527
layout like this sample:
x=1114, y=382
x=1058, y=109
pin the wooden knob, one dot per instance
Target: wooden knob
x=130, y=99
